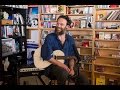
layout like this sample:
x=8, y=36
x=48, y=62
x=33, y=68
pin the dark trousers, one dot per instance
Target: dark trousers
x=61, y=75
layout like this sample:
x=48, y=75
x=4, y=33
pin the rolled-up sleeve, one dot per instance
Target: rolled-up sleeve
x=46, y=49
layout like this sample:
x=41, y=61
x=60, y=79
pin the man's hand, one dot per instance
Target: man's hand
x=66, y=68
x=62, y=65
x=71, y=66
x=71, y=72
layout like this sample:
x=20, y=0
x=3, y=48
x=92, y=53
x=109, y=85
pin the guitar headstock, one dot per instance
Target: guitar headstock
x=87, y=58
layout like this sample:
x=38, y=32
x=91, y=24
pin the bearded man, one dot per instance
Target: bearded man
x=60, y=40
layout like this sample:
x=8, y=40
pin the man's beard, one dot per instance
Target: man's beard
x=59, y=31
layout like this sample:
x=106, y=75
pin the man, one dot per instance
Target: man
x=60, y=40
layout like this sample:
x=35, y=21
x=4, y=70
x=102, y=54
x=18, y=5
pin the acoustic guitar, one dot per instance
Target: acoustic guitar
x=42, y=64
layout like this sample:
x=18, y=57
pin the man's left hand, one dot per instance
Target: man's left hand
x=71, y=72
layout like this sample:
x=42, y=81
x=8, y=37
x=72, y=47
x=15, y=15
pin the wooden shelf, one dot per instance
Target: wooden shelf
x=107, y=20
x=85, y=54
x=48, y=20
x=13, y=41
x=80, y=6
x=84, y=47
x=32, y=28
x=83, y=39
x=79, y=14
x=78, y=32
x=107, y=30
x=85, y=70
x=108, y=73
x=79, y=29
x=108, y=57
x=107, y=65
x=48, y=28
x=116, y=49
x=85, y=62
x=33, y=6
x=51, y=13
x=6, y=22
x=116, y=8
x=107, y=40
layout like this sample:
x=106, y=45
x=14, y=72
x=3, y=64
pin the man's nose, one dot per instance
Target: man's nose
x=58, y=25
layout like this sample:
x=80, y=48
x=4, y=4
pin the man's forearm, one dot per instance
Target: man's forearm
x=62, y=65
x=55, y=62
x=71, y=63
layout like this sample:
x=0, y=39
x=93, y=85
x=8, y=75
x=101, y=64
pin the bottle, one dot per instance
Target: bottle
x=6, y=64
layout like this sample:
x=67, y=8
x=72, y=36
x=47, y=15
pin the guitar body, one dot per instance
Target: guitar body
x=40, y=63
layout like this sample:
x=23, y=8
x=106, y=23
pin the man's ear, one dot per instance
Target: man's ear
x=68, y=26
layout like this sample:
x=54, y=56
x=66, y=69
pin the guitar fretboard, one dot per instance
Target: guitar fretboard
x=64, y=57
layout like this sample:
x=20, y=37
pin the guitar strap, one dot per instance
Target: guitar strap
x=76, y=53
x=77, y=64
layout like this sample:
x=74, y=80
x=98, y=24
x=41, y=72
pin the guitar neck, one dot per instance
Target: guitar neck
x=64, y=57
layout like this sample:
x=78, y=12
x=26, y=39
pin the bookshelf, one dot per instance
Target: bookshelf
x=13, y=50
x=33, y=22
x=48, y=18
x=107, y=43
x=96, y=30
x=82, y=31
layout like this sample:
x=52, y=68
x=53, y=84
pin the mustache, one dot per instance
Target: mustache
x=57, y=28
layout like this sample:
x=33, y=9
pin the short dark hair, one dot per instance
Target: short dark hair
x=66, y=18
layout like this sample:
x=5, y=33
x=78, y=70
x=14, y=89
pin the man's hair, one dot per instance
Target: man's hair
x=66, y=18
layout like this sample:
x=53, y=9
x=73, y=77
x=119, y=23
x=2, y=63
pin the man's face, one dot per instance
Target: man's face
x=60, y=26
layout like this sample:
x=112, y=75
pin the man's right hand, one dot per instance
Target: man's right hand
x=62, y=65
x=66, y=68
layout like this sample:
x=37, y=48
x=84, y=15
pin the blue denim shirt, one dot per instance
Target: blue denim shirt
x=53, y=43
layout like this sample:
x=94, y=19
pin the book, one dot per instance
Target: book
x=86, y=10
x=83, y=23
x=118, y=17
x=113, y=16
x=117, y=14
x=114, y=36
x=99, y=25
x=22, y=31
x=4, y=32
x=46, y=9
x=105, y=18
x=90, y=43
x=112, y=82
x=100, y=81
x=110, y=15
x=61, y=8
x=16, y=31
x=76, y=23
x=100, y=14
x=9, y=30
x=107, y=36
x=34, y=10
x=101, y=35
x=113, y=6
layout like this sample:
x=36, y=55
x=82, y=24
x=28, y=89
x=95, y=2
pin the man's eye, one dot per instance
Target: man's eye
x=60, y=24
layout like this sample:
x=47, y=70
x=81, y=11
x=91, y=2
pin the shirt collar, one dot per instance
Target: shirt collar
x=66, y=36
